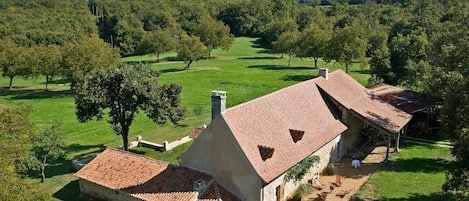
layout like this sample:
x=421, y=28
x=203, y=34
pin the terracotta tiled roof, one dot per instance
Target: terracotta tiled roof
x=143, y=177
x=266, y=122
x=406, y=100
x=349, y=93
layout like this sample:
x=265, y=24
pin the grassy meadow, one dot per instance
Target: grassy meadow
x=246, y=71
x=416, y=173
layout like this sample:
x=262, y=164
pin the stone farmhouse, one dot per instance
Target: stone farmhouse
x=246, y=150
x=249, y=148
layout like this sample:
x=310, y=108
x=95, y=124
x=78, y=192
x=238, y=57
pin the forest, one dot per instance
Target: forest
x=421, y=45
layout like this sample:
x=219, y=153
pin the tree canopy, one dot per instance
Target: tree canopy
x=191, y=49
x=16, y=134
x=121, y=92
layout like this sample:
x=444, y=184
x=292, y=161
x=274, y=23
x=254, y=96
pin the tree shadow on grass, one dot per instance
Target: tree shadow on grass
x=35, y=94
x=171, y=70
x=63, y=166
x=280, y=67
x=59, y=81
x=259, y=57
x=431, y=197
x=426, y=165
x=298, y=78
x=362, y=71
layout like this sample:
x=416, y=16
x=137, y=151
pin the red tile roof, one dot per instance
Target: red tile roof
x=145, y=178
x=266, y=122
x=349, y=93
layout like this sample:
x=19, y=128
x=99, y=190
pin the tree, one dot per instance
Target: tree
x=13, y=60
x=190, y=49
x=380, y=62
x=272, y=31
x=287, y=43
x=157, y=42
x=121, y=92
x=46, y=60
x=213, y=34
x=240, y=18
x=48, y=146
x=453, y=90
x=15, y=134
x=345, y=45
x=313, y=41
x=409, y=63
x=87, y=56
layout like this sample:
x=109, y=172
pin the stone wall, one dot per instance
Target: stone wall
x=326, y=153
x=97, y=191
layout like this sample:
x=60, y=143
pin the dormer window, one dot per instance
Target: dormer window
x=296, y=135
x=266, y=152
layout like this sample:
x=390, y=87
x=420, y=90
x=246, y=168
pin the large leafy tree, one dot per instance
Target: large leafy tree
x=213, y=34
x=157, y=42
x=15, y=134
x=47, y=146
x=46, y=61
x=313, y=41
x=346, y=45
x=287, y=43
x=121, y=92
x=87, y=56
x=13, y=60
x=190, y=49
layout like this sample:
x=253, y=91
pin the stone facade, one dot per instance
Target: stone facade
x=327, y=154
x=104, y=193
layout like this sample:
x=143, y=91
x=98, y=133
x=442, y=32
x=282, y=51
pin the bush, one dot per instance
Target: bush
x=330, y=169
x=304, y=189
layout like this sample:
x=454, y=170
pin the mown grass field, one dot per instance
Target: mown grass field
x=416, y=173
x=246, y=71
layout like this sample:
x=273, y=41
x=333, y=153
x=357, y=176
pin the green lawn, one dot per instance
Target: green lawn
x=246, y=71
x=416, y=173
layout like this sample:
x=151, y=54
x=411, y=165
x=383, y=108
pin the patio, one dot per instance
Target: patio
x=351, y=178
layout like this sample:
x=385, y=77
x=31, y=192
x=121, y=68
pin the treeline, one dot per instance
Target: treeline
x=50, y=38
x=418, y=44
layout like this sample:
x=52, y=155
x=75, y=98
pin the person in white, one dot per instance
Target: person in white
x=356, y=163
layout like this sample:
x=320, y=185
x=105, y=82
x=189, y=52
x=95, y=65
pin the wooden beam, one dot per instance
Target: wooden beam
x=397, y=140
x=388, y=147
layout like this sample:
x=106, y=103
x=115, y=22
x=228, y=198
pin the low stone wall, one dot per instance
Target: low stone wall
x=166, y=146
x=171, y=145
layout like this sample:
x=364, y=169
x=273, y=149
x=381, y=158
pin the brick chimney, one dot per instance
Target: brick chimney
x=323, y=72
x=218, y=102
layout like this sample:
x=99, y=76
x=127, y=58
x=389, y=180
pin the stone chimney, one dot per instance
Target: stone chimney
x=323, y=72
x=218, y=102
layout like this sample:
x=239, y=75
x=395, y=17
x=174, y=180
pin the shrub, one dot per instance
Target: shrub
x=298, y=171
x=304, y=189
x=330, y=169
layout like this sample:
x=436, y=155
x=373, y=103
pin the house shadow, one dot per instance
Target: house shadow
x=71, y=192
x=21, y=94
